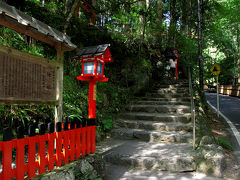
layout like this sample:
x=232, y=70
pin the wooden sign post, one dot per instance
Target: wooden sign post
x=216, y=69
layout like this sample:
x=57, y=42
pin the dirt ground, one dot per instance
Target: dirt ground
x=221, y=129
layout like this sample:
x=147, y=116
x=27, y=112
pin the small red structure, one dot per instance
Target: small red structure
x=176, y=58
x=93, y=60
x=88, y=8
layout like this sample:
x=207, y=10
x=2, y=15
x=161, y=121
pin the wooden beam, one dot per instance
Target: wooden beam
x=30, y=31
x=59, y=85
x=28, y=57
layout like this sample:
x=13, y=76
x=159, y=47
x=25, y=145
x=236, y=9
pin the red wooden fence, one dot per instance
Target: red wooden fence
x=74, y=142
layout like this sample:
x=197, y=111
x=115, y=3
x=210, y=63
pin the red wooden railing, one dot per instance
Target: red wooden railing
x=62, y=147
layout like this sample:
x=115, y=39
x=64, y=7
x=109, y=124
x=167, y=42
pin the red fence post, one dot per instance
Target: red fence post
x=41, y=153
x=78, y=139
x=72, y=140
x=66, y=143
x=50, y=146
x=59, y=144
x=7, y=154
x=83, y=137
x=20, y=158
x=20, y=154
x=31, y=157
x=7, y=160
x=1, y=149
x=31, y=152
x=93, y=147
x=92, y=124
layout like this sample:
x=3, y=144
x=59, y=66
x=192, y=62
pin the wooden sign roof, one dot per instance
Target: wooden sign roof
x=14, y=19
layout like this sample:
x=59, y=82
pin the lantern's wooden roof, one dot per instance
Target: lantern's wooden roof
x=92, y=51
x=14, y=19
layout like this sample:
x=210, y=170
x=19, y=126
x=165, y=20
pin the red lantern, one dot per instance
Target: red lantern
x=93, y=59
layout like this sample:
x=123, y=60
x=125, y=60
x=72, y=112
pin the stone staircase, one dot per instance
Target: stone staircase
x=154, y=134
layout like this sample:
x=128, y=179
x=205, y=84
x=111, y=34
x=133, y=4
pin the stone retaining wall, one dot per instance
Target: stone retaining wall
x=91, y=167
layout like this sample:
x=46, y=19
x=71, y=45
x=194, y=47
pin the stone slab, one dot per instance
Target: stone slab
x=114, y=172
x=159, y=108
x=152, y=136
x=168, y=95
x=153, y=125
x=183, y=118
x=146, y=102
x=179, y=99
x=152, y=156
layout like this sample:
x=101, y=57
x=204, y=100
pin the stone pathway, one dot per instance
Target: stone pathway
x=153, y=138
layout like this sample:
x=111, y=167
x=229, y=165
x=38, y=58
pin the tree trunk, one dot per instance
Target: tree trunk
x=70, y=12
x=126, y=26
x=147, y=4
x=238, y=45
x=200, y=57
x=184, y=19
x=141, y=17
x=173, y=23
x=159, y=22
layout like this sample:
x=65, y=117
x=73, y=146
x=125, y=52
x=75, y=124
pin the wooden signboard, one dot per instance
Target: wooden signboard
x=26, y=78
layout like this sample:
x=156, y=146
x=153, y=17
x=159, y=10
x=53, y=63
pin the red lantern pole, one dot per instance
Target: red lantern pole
x=176, y=59
x=94, y=72
x=92, y=99
x=176, y=68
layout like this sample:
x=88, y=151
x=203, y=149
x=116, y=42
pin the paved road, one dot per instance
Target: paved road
x=229, y=106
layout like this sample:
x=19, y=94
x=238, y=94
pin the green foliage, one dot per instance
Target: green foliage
x=224, y=143
x=135, y=32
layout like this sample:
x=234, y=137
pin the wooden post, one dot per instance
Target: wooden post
x=59, y=84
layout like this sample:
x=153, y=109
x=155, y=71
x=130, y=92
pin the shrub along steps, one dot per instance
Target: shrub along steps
x=152, y=156
x=152, y=136
x=153, y=125
x=159, y=108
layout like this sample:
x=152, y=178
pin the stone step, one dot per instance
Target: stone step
x=180, y=99
x=173, y=86
x=153, y=125
x=180, y=109
x=183, y=118
x=118, y=172
x=168, y=95
x=161, y=103
x=151, y=136
x=171, y=91
x=152, y=156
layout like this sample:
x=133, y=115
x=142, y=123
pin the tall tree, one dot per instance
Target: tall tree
x=159, y=22
x=173, y=23
x=200, y=57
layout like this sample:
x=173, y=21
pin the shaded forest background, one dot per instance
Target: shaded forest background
x=140, y=32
